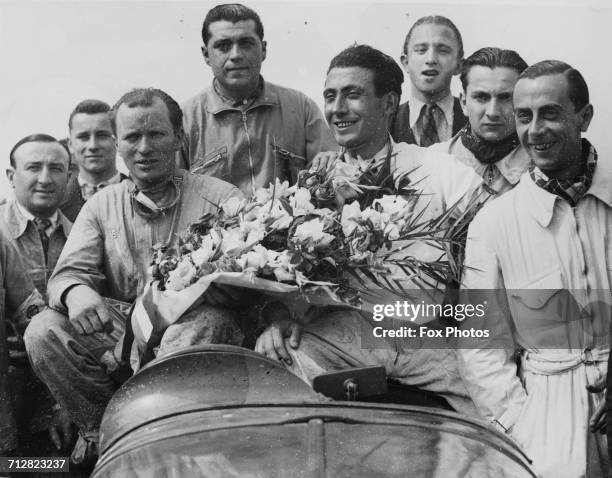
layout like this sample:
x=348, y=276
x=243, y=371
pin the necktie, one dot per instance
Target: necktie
x=429, y=135
x=42, y=225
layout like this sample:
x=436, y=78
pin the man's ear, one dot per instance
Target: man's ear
x=458, y=67
x=404, y=60
x=205, y=54
x=391, y=103
x=462, y=101
x=264, y=48
x=10, y=174
x=586, y=115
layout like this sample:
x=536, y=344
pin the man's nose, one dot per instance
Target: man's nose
x=431, y=56
x=536, y=127
x=44, y=176
x=235, y=52
x=92, y=143
x=144, y=145
x=493, y=109
x=338, y=106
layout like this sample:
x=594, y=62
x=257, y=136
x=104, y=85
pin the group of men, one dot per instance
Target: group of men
x=510, y=143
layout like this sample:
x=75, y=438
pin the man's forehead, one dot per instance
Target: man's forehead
x=344, y=77
x=433, y=33
x=547, y=90
x=222, y=29
x=498, y=78
x=82, y=121
x=41, y=151
x=142, y=115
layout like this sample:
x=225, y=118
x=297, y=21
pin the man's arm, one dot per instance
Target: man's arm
x=78, y=282
x=22, y=299
x=488, y=365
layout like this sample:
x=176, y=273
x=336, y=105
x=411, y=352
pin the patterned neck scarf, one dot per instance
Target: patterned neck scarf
x=572, y=189
x=485, y=151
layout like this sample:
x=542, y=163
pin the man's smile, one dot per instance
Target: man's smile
x=344, y=124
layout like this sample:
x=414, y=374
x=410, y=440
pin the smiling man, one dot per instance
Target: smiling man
x=488, y=143
x=38, y=176
x=38, y=232
x=362, y=90
x=93, y=148
x=432, y=54
x=104, y=265
x=545, y=245
x=243, y=129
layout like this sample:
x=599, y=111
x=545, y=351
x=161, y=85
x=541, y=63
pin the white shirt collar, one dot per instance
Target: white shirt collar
x=114, y=180
x=446, y=104
x=30, y=217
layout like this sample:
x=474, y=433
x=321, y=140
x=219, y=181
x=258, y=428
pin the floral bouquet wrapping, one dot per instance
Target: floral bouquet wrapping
x=303, y=243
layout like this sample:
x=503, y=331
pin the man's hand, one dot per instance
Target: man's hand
x=87, y=311
x=325, y=160
x=271, y=342
x=598, y=420
x=61, y=431
x=597, y=423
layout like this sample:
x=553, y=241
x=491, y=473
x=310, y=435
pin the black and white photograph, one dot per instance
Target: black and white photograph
x=305, y=239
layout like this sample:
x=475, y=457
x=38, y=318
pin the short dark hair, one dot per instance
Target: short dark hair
x=234, y=13
x=388, y=76
x=89, y=107
x=491, y=57
x=578, y=91
x=36, y=138
x=436, y=20
x=145, y=97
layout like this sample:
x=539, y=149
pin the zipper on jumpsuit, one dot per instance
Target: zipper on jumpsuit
x=246, y=130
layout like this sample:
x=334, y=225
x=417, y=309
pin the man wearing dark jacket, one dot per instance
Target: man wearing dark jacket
x=93, y=149
x=432, y=54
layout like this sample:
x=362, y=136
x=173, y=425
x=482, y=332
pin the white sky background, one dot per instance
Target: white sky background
x=54, y=54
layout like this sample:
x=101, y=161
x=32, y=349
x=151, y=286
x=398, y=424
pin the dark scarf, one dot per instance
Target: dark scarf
x=570, y=189
x=485, y=151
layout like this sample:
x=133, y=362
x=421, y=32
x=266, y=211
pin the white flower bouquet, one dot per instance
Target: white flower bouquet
x=307, y=240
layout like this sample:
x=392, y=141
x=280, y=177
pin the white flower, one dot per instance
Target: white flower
x=232, y=243
x=300, y=202
x=182, y=276
x=250, y=212
x=311, y=232
x=351, y=213
x=233, y=206
x=275, y=215
x=205, y=252
x=256, y=258
x=282, y=189
x=256, y=234
x=392, y=231
x=395, y=206
x=374, y=216
x=263, y=195
x=281, y=266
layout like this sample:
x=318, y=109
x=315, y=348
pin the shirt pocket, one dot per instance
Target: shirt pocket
x=544, y=310
x=213, y=164
x=288, y=163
